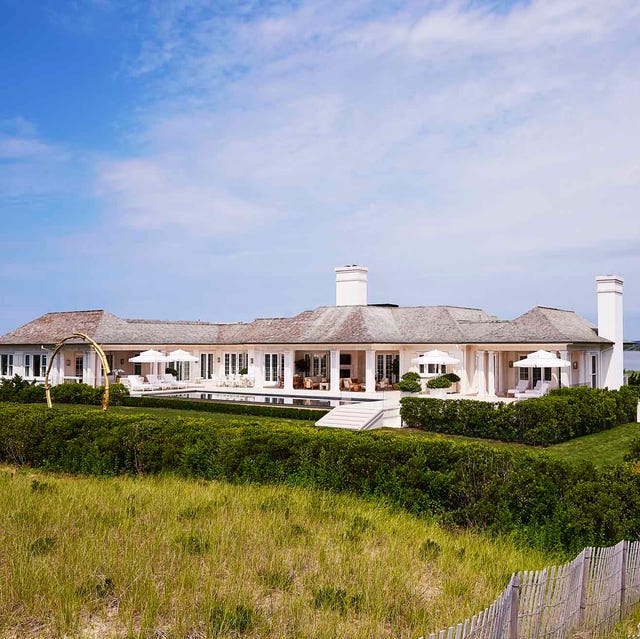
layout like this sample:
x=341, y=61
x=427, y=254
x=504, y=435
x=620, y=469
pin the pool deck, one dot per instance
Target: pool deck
x=344, y=396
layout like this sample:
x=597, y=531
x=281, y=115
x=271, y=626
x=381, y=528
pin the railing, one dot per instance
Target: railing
x=589, y=594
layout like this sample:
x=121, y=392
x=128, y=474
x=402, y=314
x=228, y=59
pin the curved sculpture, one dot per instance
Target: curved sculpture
x=99, y=352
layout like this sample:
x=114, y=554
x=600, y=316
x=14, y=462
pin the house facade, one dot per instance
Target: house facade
x=371, y=346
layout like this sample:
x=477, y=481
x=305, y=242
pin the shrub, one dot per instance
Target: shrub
x=439, y=382
x=409, y=383
x=561, y=415
x=18, y=389
x=542, y=501
x=452, y=377
x=283, y=412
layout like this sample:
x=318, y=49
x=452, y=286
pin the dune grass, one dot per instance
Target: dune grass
x=164, y=557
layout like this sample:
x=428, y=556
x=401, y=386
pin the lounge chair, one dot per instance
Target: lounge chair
x=138, y=384
x=521, y=387
x=172, y=382
x=540, y=389
x=156, y=381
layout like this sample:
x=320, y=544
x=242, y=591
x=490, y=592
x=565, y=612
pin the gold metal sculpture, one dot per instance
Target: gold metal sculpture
x=103, y=360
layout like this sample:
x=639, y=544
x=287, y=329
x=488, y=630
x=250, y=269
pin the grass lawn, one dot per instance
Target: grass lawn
x=603, y=449
x=165, y=557
x=172, y=413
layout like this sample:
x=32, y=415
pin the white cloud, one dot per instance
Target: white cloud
x=368, y=133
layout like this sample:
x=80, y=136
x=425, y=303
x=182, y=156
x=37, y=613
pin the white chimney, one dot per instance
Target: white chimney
x=351, y=285
x=610, y=326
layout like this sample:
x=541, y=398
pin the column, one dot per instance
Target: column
x=370, y=370
x=288, y=370
x=258, y=369
x=334, y=370
x=491, y=373
x=251, y=363
x=480, y=376
x=565, y=373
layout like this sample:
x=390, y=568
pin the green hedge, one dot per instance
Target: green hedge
x=561, y=415
x=284, y=412
x=539, y=500
x=19, y=390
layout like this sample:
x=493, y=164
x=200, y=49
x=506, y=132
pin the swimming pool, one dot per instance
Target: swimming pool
x=256, y=398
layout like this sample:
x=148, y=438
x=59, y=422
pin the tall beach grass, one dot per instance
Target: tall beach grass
x=164, y=557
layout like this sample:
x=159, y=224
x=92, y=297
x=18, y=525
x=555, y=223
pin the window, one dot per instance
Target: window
x=6, y=365
x=80, y=365
x=345, y=359
x=206, y=365
x=273, y=365
x=594, y=371
x=319, y=365
x=235, y=362
x=432, y=369
x=524, y=372
x=27, y=365
x=386, y=366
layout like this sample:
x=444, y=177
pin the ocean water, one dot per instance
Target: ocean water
x=632, y=360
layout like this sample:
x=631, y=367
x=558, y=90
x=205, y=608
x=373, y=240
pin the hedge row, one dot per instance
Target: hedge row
x=284, y=412
x=545, y=502
x=19, y=390
x=561, y=415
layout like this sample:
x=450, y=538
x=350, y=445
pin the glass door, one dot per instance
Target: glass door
x=273, y=366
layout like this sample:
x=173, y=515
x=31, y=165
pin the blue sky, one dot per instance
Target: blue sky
x=191, y=159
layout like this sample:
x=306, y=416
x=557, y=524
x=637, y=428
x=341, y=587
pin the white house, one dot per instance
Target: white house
x=352, y=347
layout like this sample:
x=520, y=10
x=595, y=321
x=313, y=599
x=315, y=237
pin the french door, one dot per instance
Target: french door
x=273, y=366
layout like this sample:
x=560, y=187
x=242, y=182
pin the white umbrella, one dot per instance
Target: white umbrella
x=181, y=356
x=435, y=357
x=149, y=357
x=542, y=359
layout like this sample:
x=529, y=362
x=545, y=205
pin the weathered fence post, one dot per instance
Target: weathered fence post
x=513, y=609
x=623, y=578
x=586, y=563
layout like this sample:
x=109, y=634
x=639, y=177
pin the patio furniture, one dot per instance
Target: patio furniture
x=383, y=384
x=540, y=390
x=521, y=387
x=155, y=380
x=138, y=384
x=170, y=379
x=311, y=383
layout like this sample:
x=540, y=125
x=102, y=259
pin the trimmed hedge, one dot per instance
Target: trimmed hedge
x=284, y=412
x=545, y=502
x=19, y=390
x=561, y=415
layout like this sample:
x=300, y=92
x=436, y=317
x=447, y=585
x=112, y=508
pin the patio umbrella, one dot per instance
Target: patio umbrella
x=149, y=357
x=435, y=357
x=181, y=356
x=543, y=359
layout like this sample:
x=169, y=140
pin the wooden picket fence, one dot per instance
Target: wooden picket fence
x=587, y=595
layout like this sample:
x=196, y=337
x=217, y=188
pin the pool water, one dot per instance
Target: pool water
x=254, y=398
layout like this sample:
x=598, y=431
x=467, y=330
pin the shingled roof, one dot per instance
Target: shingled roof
x=323, y=325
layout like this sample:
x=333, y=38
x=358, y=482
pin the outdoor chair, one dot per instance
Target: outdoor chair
x=137, y=384
x=169, y=379
x=521, y=387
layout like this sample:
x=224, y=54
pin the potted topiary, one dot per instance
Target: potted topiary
x=453, y=378
x=409, y=383
x=438, y=386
